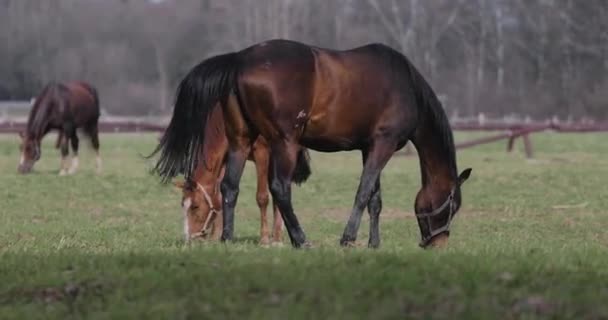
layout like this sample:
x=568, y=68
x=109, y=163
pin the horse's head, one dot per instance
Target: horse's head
x=434, y=218
x=30, y=153
x=200, y=209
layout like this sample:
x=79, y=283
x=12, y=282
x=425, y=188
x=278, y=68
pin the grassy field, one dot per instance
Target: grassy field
x=530, y=241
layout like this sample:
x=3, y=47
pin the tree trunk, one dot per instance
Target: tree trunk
x=163, y=77
x=500, y=51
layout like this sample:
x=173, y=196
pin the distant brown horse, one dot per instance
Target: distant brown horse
x=201, y=196
x=369, y=98
x=64, y=107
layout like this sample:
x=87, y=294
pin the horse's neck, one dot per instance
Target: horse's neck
x=213, y=151
x=211, y=160
x=437, y=162
x=39, y=120
x=208, y=171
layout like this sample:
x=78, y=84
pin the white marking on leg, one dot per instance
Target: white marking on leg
x=22, y=160
x=186, y=206
x=64, y=165
x=74, y=165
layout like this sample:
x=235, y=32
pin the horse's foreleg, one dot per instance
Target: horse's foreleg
x=260, y=158
x=282, y=167
x=65, y=151
x=235, y=163
x=277, y=225
x=74, y=165
x=94, y=134
x=377, y=158
x=373, y=208
x=59, y=138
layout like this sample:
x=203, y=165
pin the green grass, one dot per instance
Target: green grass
x=529, y=242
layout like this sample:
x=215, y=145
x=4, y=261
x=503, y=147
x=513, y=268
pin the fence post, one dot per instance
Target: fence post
x=511, y=142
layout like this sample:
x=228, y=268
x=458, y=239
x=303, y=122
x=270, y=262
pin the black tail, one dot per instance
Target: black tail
x=207, y=84
x=302, y=171
x=95, y=96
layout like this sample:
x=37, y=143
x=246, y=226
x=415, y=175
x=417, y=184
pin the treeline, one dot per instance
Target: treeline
x=538, y=58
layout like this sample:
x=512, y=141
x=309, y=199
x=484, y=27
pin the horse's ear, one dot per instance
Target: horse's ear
x=466, y=173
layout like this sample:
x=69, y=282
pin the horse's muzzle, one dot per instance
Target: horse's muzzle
x=24, y=169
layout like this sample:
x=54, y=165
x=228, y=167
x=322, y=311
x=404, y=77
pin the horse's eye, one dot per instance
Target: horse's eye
x=193, y=207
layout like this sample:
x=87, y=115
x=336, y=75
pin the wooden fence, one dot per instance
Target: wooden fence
x=509, y=131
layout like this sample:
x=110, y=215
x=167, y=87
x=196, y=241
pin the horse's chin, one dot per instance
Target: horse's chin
x=24, y=170
x=439, y=241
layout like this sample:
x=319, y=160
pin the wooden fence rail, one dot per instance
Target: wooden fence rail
x=507, y=130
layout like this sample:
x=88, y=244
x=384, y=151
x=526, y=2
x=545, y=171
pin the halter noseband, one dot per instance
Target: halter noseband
x=449, y=202
x=212, y=211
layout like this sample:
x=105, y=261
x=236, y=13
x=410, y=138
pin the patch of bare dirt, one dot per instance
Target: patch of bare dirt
x=534, y=304
x=64, y=293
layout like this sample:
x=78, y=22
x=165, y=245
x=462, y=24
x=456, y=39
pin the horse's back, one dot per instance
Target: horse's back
x=276, y=82
x=348, y=95
x=84, y=104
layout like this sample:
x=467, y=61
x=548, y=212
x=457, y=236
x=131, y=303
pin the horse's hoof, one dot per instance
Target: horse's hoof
x=373, y=245
x=63, y=172
x=264, y=242
x=277, y=244
x=348, y=242
x=307, y=245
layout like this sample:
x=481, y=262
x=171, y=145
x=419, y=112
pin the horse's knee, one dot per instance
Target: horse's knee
x=279, y=190
x=230, y=191
x=375, y=205
x=262, y=198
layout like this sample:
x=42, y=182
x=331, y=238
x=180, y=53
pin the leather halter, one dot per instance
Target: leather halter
x=212, y=212
x=449, y=202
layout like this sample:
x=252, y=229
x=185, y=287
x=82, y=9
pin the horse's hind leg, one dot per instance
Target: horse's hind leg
x=379, y=154
x=93, y=132
x=283, y=164
x=74, y=141
x=260, y=158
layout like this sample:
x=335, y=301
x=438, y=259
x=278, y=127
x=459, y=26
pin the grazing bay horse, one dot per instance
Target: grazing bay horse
x=370, y=98
x=64, y=107
x=201, y=196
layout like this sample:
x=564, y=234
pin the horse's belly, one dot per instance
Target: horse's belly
x=328, y=144
x=330, y=138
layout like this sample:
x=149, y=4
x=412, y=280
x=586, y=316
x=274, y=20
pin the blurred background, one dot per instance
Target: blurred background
x=518, y=58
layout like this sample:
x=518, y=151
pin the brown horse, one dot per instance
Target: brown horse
x=369, y=98
x=202, y=199
x=64, y=107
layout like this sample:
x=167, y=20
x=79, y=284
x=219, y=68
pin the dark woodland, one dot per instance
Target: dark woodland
x=538, y=59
